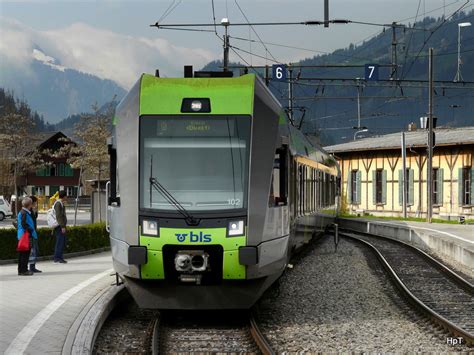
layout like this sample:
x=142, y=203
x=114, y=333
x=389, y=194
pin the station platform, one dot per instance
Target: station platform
x=37, y=312
x=453, y=243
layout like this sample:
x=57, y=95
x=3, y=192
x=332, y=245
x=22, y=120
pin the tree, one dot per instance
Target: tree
x=90, y=154
x=16, y=137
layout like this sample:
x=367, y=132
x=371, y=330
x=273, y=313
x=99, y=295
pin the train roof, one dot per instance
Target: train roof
x=163, y=96
x=301, y=146
x=227, y=96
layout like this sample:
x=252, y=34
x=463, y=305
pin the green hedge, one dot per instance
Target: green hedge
x=79, y=238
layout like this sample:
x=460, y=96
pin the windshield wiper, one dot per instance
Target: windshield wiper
x=190, y=220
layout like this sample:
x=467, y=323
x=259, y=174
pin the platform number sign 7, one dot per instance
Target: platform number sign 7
x=279, y=72
x=371, y=72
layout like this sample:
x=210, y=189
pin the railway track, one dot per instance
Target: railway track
x=205, y=332
x=130, y=329
x=441, y=294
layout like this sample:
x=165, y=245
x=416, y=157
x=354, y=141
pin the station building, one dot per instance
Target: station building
x=56, y=175
x=372, y=176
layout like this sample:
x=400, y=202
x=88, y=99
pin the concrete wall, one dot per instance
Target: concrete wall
x=459, y=252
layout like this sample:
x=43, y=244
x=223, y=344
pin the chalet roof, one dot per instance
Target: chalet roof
x=42, y=139
x=413, y=139
x=45, y=137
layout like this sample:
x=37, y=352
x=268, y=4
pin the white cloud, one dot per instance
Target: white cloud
x=47, y=60
x=99, y=52
x=16, y=43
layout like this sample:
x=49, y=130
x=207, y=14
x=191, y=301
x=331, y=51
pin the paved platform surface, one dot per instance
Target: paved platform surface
x=37, y=311
x=457, y=231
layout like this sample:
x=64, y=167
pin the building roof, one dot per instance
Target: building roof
x=43, y=138
x=413, y=139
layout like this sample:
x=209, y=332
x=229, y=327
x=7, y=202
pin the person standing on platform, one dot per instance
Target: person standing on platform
x=25, y=223
x=60, y=230
x=34, y=246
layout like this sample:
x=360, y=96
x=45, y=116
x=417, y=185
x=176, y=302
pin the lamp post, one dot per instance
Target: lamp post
x=458, y=76
x=359, y=87
x=360, y=131
x=225, y=22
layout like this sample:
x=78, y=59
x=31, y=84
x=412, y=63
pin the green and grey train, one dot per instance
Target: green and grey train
x=212, y=190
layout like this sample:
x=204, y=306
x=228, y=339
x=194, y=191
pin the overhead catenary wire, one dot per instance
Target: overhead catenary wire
x=397, y=25
x=256, y=72
x=289, y=23
x=445, y=85
x=303, y=86
x=429, y=12
x=409, y=40
x=164, y=13
x=298, y=48
x=186, y=29
x=214, y=19
x=306, y=98
x=316, y=51
x=170, y=9
x=425, y=42
x=254, y=31
x=254, y=54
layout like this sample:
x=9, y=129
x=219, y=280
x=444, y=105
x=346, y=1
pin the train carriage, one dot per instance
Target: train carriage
x=211, y=191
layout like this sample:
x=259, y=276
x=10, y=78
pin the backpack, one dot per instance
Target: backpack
x=51, y=216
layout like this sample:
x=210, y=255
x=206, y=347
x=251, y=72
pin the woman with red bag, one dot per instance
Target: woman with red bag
x=26, y=231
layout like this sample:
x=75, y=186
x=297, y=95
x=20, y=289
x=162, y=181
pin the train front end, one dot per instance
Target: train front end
x=192, y=162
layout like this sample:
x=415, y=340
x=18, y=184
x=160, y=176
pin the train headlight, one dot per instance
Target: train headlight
x=196, y=105
x=235, y=228
x=150, y=227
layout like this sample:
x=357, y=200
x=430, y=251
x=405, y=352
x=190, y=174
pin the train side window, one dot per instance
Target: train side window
x=321, y=189
x=324, y=189
x=311, y=187
x=306, y=190
x=301, y=190
x=311, y=190
x=279, y=190
x=328, y=186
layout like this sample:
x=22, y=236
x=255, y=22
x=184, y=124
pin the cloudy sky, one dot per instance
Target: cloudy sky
x=112, y=38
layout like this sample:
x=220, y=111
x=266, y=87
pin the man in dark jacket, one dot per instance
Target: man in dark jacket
x=60, y=230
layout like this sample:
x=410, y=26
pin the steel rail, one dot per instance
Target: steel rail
x=465, y=284
x=254, y=332
x=155, y=340
x=433, y=315
x=259, y=338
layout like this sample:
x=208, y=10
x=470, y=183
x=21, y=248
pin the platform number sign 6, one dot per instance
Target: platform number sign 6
x=371, y=72
x=279, y=72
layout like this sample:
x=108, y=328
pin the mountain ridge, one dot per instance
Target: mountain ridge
x=331, y=106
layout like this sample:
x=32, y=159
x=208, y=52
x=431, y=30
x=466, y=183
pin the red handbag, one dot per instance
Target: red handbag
x=24, y=242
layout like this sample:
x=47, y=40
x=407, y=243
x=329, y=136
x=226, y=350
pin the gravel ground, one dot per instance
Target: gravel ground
x=127, y=330
x=204, y=332
x=344, y=302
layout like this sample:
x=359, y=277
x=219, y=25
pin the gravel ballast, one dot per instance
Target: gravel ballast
x=127, y=330
x=344, y=302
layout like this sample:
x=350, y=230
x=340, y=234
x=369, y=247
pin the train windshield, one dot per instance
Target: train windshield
x=201, y=161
